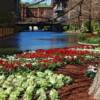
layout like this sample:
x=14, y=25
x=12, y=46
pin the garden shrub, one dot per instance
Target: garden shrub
x=93, y=40
x=70, y=27
x=82, y=36
x=96, y=27
x=66, y=28
x=90, y=38
x=9, y=51
x=85, y=27
x=46, y=28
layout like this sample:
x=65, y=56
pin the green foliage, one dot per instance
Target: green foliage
x=71, y=27
x=90, y=74
x=96, y=27
x=54, y=66
x=82, y=36
x=9, y=51
x=72, y=61
x=66, y=27
x=54, y=95
x=97, y=50
x=32, y=84
x=46, y=28
x=85, y=27
x=93, y=40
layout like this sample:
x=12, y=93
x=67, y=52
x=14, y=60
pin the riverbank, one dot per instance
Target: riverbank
x=84, y=43
x=86, y=38
x=73, y=32
x=89, y=39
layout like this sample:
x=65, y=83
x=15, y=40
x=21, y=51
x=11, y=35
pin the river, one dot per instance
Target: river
x=27, y=40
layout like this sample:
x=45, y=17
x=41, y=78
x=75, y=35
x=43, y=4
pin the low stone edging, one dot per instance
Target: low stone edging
x=81, y=43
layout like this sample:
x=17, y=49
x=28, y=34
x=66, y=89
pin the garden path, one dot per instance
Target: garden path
x=79, y=89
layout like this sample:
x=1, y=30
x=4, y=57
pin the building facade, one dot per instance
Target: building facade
x=41, y=14
x=36, y=13
x=23, y=11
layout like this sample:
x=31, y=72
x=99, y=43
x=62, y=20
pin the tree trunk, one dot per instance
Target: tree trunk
x=95, y=88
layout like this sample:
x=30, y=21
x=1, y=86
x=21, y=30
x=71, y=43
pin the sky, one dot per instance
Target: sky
x=48, y=1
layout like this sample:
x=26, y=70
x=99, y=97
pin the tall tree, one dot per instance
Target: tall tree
x=85, y=10
x=95, y=87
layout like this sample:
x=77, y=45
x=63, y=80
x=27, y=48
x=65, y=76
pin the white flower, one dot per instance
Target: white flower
x=75, y=57
x=10, y=57
x=34, y=63
x=69, y=57
x=92, y=68
x=29, y=59
x=66, y=57
x=94, y=71
x=23, y=64
x=33, y=51
x=49, y=58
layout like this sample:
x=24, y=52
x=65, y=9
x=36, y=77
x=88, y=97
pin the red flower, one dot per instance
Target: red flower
x=8, y=66
x=29, y=65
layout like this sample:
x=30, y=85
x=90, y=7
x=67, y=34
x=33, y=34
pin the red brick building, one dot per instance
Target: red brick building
x=23, y=11
x=41, y=12
x=37, y=13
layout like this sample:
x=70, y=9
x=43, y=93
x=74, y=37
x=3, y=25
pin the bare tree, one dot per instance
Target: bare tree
x=83, y=10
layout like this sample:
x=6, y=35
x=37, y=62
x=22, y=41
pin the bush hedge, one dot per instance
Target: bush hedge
x=9, y=51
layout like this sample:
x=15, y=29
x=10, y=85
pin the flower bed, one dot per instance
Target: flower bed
x=27, y=85
x=41, y=59
x=26, y=75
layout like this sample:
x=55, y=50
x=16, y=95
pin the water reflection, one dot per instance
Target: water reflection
x=38, y=40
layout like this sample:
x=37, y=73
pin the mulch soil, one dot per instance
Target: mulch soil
x=78, y=90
